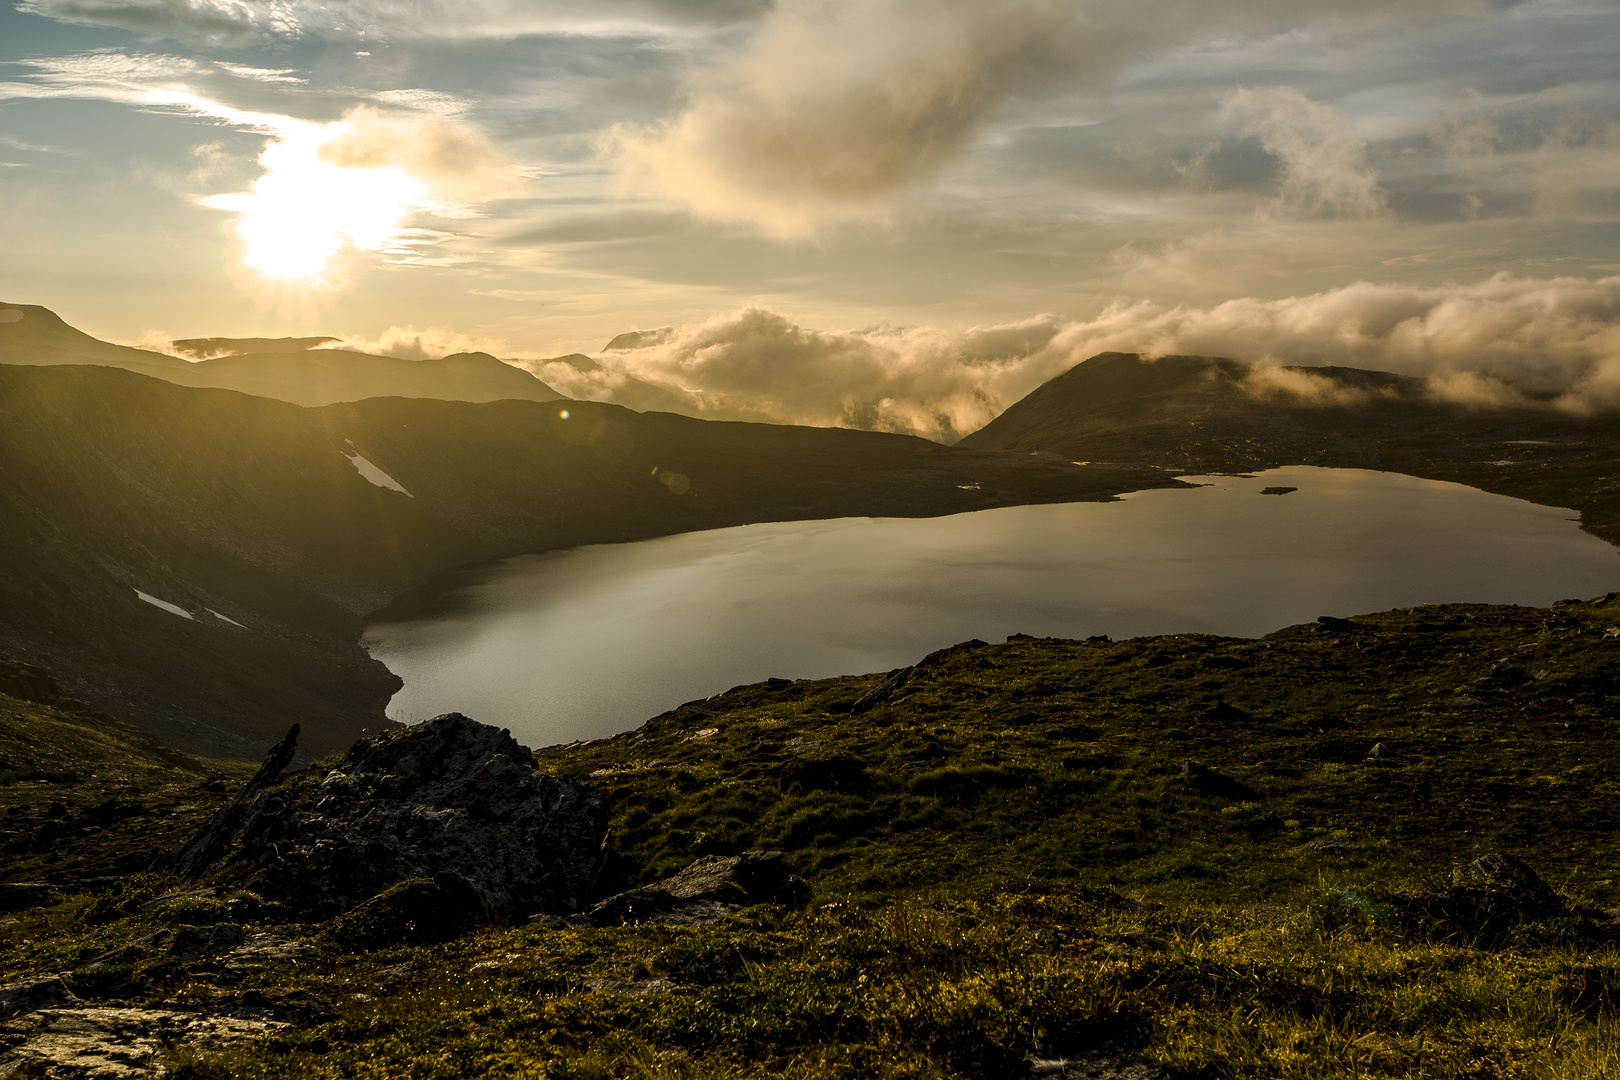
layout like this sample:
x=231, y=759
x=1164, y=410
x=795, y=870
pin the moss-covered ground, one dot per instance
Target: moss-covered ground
x=1179, y=853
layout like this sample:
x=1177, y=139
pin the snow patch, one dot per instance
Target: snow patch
x=224, y=618
x=374, y=474
x=172, y=609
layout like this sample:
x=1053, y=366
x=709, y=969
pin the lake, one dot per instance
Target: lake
x=591, y=641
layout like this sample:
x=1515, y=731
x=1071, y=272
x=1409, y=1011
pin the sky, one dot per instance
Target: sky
x=898, y=214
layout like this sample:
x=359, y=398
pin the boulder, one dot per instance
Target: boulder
x=29, y=995
x=711, y=887
x=448, y=796
x=1498, y=871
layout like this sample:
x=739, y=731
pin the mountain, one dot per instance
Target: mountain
x=308, y=376
x=582, y=378
x=199, y=562
x=1203, y=414
x=210, y=347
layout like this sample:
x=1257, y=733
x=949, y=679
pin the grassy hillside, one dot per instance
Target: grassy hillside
x=252, y=516
x=1197, y=414
x=1177, y=857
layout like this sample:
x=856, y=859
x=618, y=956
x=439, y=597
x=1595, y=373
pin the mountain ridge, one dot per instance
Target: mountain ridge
x=1204, y=414
x=253, y=517
x=302, y=376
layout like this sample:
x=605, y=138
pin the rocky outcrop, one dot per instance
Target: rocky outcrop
x=118, y=1043
x=447, y=797
x=896, y=680
x=711, y=887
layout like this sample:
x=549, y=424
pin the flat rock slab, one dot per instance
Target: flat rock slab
x=118, y=1044
x=712, y=887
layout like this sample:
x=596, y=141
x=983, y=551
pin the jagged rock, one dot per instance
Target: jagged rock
x=449, y=796
x=884, y=689
x=713, y=886
x=1501, y=871
x=197, y=854
x=118, y=1044
x=29, y=995
x=895, y=680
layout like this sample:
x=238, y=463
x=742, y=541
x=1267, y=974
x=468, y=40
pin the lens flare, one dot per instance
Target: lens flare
x=305, y=212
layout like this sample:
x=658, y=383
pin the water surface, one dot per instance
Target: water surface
x=590, y=641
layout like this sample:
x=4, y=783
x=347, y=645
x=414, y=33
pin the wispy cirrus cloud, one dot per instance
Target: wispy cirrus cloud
x=242, y=22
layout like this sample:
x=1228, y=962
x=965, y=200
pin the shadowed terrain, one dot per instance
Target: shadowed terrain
x=253, y=517
x=1198, y=414
x=1167, y=858
x=287, y=369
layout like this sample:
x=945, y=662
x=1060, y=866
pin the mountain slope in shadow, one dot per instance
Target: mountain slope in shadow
x=273, y=368
x=199, y=562
x=1203, y=414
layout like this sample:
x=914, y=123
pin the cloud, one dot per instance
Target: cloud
x=334, y=198
x=1307, y=387
x=1553, y=338
x=838, y=105
x=149, y=81
x=1503, y=342
x=456, y=158
x=234, y=22
x=212, y=22
x=424, y=343
x=1324, y=162
x=759, y=365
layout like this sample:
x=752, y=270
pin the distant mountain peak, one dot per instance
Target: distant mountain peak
x=639, y=339
x=209, y=348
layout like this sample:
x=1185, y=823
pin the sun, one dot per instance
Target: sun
x=305, y=212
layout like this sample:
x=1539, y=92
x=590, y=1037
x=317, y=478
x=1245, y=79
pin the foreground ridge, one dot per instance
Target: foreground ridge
x=1381, y=844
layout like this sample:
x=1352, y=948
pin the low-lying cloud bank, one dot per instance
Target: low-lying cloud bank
x=1504, y=342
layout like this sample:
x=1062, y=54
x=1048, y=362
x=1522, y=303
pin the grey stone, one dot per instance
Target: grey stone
x=897, y=679
x=28, y=995
x=1498, y=870
x=449, y=795
x=712, y=887
x=642, y=988
x=119, y=1044
x=1094, y=1067
x=266, y=952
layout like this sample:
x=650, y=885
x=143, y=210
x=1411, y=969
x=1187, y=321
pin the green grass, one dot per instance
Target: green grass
x=1170, y=851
